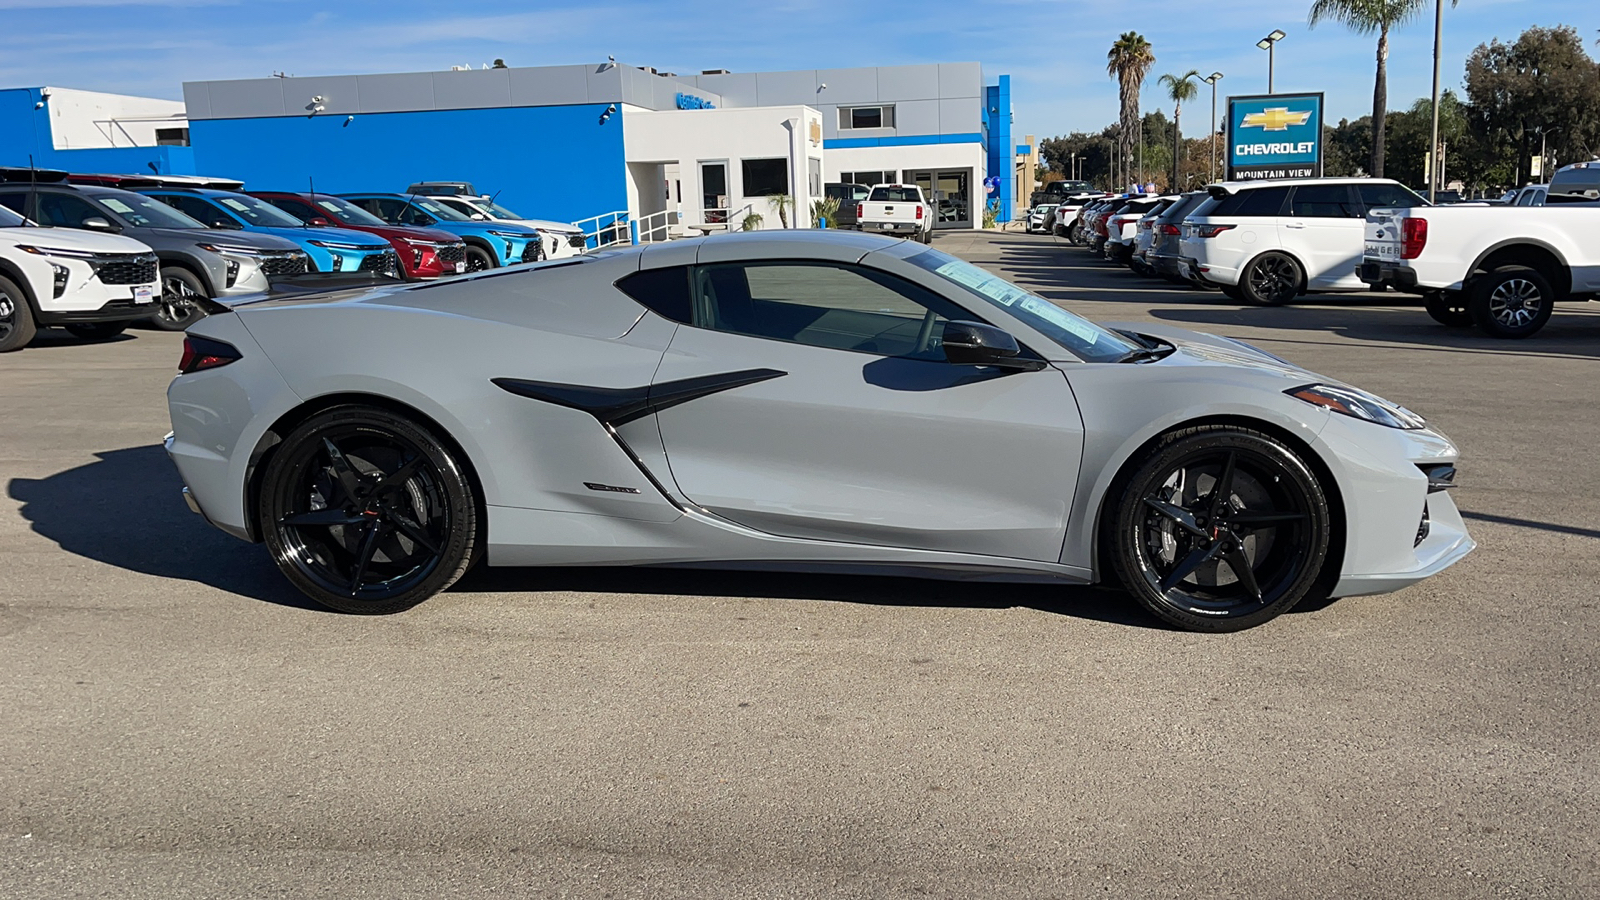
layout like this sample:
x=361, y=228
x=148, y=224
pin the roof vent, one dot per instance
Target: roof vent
x=715, y=72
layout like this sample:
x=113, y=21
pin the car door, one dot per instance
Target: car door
x=848, y=424
x=1325, y=230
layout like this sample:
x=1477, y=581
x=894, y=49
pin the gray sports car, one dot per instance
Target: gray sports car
x=798, y=400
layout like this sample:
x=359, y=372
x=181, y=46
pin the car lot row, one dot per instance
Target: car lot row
x=1499, y=266
x=94, y=253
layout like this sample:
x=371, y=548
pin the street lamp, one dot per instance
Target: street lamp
x=1212, y=80
x=1268, y=43
x=1544, y=159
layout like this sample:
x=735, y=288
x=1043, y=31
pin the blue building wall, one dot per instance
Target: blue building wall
x=997, y=118
x=552, y=162
x=25, y=130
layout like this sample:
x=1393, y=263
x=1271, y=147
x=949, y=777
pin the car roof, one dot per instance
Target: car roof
x=1233, y=187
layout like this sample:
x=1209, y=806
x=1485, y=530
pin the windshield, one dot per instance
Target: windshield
x=9, y=219
x=1082, y=337
x=146, y=212
x=349, y=213
x=256, y=211
x=439, y=210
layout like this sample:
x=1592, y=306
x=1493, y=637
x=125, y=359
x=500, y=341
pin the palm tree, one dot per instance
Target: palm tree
x=1129, y=60
x=1179, y=88
x=1366, y=17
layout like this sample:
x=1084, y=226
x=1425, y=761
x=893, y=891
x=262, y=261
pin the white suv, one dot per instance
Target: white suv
x=92, y=284
x=1269, y=241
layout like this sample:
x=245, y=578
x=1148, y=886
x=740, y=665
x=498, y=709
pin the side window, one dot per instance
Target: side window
x=196, y=208
x=1259, y=202
x=65, y=210
x=299, y=210
x=1374, y=196
x=663, y=291
x=14, y=201
x=826, y=305
x=385, y=209
x=410, y=215
x=1323, y=201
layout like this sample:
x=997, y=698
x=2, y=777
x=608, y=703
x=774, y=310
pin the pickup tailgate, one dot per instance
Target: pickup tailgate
x=886, y=216
x=1383, y=238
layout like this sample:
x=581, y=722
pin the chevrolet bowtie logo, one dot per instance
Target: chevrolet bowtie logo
x=1275, y=119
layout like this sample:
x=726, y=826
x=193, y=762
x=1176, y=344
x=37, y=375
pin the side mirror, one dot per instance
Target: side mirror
x=480, y=217
x=226, y=223
x=425, y=221
x=97, y=223
x=977, y=344
x=318, y=221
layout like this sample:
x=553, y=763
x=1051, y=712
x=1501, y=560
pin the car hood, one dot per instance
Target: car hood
x=1197, y=348
x=337, y=235
x=390, y=232
x=73, y=239
x=544, y=225
x=250, y=240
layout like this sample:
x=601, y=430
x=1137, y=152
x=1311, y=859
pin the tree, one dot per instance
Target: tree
x=1179, y=88
x=1366, y=17
x=1129, y=61
x=1542, y=88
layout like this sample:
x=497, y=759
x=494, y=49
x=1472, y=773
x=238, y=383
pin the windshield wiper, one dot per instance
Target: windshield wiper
x=1148, y=349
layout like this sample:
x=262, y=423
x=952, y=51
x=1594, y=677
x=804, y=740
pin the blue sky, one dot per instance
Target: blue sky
x=1053, y=49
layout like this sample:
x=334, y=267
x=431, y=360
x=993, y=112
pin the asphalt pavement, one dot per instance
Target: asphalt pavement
x=179, y=723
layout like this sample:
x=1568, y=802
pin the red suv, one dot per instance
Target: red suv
x=425, y=253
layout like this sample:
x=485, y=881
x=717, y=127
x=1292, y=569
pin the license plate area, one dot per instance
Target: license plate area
x=143, y=295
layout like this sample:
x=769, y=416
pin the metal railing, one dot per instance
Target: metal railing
x=606, y=230
x=656, y=227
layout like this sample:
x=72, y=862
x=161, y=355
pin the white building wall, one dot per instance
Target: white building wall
x=89, y=119
x=654, y=140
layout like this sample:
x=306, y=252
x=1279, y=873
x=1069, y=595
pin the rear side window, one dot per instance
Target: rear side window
x=664, y=292
x=1257, y=202
x=1323, y=201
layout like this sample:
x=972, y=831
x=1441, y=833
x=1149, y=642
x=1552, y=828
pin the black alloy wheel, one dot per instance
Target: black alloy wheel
x=1511, y=302
x=178, y=309
x=16, y=319
x=366, y=512
x=1271, y=279
x=479, y=260
x=1447, y=308
x=96, y=331
x=1220, y=529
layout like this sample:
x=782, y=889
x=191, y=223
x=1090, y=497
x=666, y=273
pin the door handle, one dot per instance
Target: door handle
x=1295, y=225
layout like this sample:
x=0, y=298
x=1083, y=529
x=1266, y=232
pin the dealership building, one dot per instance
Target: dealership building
x=562, y=142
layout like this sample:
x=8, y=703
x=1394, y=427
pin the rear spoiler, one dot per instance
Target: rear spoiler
x=138, y=182
x=25, y=175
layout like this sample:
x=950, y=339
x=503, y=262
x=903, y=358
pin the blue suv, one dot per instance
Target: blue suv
x=330, y=249
x=489, y=243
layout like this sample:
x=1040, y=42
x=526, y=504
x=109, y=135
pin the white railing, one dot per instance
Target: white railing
x=656, y=227
x=606, y=229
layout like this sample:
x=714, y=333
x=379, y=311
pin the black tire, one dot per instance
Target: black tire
x=1232, y=292
x=1182, y=548
x=177, y=309
x=479, y=259
x=16, y=318
x=1271, y=279
x=1511, y=302
x=1447, y=308
x=96, y=331
x=358, y=483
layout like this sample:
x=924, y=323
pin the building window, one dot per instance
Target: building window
x=851, y=117
x=868, y=178
x=765, y=177
x=172, y=137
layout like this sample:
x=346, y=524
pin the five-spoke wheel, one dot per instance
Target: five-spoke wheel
x=1220, y=529
x=367, y=512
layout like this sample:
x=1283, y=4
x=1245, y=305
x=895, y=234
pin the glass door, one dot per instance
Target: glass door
x=714, y=191
x=949, y=193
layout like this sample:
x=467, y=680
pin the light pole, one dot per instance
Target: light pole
x=1268, y=43
x=1435, y=176
x=1212, y=80
x=1544, y=159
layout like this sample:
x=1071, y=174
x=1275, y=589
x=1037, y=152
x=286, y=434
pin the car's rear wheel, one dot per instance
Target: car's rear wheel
x=1220, y=529
x=1232, y=292
x=368, y=512
x=16, y=319
x=1447, y=308
x=1271, y=279
x=479, y=260
x=96, y=331
x=179, y=307
x=1511, y=302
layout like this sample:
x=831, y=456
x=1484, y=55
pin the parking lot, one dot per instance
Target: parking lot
x=179, y=722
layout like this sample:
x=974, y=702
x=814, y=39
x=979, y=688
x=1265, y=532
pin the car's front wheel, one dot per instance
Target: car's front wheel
x=16, y=319
x=179, y=307
x=479, y=260
x=1220, y=529
x=368, y=512
x=1271, y=279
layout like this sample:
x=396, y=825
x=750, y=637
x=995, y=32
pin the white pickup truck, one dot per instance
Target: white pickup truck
x=896, y=209
x=1499, y=268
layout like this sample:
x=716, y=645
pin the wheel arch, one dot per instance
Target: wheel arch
x=16, y=276
x=1530, y=252
x=472, y=240
x=270, y=439
x=1337, y=518
x=193, y=267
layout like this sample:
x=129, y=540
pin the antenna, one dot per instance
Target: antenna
x=312, y=184
x=33, y=190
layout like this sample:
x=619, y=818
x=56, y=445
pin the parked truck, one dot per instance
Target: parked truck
x=897, y=209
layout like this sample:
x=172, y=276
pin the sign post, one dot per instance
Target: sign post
x=1275, y=136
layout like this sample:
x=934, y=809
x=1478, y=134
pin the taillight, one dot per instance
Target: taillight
x=1413, y=237
x=1169, y=229
x=861, y=210
x=1210, y=231
x=919, y=210
x=201, y=353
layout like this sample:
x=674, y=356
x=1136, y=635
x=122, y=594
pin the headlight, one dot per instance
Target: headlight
x=226, y=248
x=339, y=245
x=513, y=234
x=56, y=251
x=1358, y=404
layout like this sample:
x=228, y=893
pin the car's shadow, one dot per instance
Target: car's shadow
x=125, y=510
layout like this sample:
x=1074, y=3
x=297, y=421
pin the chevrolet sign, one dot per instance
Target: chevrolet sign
x=1275, y=136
